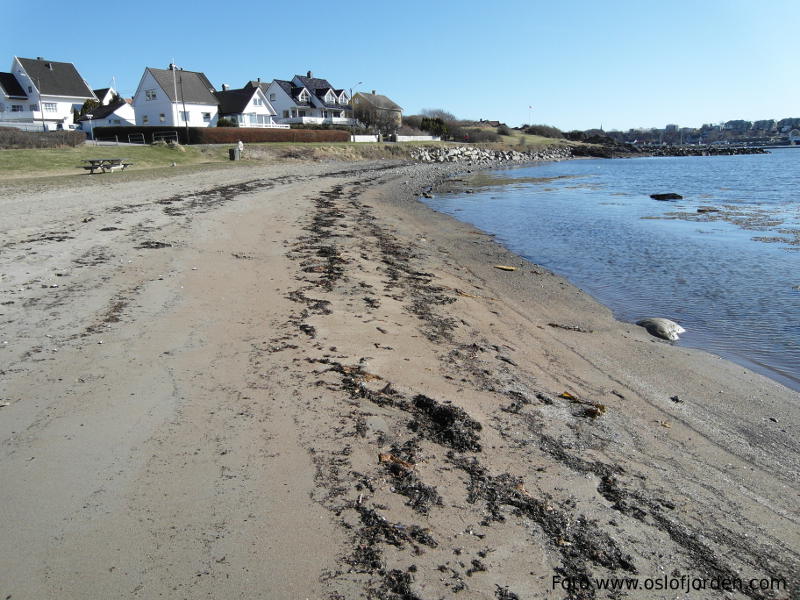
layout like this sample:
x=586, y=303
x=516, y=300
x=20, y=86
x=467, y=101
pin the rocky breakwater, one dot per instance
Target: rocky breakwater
x=474, y=155
x=703, y=150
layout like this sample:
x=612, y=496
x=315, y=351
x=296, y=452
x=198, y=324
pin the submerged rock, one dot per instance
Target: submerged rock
x=663, y=328
x=670, y=196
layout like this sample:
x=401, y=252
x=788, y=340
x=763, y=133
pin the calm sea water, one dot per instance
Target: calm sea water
x=593, y=222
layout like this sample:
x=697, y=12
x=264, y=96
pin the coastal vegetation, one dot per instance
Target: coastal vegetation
x=17, y=138
x=44, y=162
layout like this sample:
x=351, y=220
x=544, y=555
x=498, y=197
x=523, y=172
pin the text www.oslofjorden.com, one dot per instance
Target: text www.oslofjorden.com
x=684, y=584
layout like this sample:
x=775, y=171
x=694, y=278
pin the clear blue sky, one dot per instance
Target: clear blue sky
x=579, y=63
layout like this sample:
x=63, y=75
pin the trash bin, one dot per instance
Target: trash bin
x=234, y=153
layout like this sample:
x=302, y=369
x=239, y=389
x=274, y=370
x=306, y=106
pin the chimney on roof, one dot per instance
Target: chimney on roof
x=373, y=92
x=225, y=87
x=171, y=67
x=49, y=66
x=309, y=74
x=39, y=58
x=258, y=79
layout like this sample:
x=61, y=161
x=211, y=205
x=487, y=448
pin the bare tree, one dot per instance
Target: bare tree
x=383, y=121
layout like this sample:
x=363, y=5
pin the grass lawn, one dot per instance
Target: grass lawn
x=517, y=137
x=25, y=163
x=15, y=164
x=49, y=162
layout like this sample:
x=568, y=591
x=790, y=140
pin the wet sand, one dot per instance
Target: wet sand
x=297, y=381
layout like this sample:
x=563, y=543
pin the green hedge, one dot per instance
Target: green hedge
x=226, y=135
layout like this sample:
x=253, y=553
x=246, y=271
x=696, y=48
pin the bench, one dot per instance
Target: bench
x=105, y=165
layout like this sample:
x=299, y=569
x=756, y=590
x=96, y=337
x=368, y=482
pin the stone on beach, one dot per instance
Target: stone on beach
x=663, y=328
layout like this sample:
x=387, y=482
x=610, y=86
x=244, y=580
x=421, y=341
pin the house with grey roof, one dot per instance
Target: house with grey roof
x=174, y=97
x=41, y=94
x=307, y=99
x=105, y=95
x=117, y=113
x=380, y=109
x=247, y=107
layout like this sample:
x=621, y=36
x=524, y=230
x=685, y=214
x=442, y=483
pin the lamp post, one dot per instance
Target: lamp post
x=41, y=103
x=185, y=113
x=352, y=106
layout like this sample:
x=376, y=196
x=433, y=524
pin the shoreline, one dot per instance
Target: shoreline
x=241, y=379
x=457, y=185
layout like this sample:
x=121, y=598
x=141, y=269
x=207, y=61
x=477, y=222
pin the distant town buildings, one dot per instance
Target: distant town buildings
x=738, y=131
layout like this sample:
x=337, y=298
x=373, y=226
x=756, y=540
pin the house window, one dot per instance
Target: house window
x=34, y=107
x=149, y=94
x=324, y=114
x=272, y=97
x=286, y=114
x=184, y=115
x=116, y=121
x=206, y=117
x=17, y=108
x=162, y=117
x=30, y=88
x=145, y=119
x=49, y=106
x=256, y=102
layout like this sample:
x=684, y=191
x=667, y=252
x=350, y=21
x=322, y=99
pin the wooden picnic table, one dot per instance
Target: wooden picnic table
x=104, y=165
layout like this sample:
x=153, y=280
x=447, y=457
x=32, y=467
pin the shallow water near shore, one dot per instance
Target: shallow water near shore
x=729, y=273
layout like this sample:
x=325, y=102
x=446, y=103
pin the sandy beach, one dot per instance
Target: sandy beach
x=297, y=381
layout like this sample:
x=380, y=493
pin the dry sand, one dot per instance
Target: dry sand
x=296, y=381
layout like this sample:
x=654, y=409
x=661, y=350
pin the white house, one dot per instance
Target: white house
x=105, y=95
x=13, y=100
x=119, y=113
x=307, y=100
x=247, y=106
x=174, y=97
x=44, y=96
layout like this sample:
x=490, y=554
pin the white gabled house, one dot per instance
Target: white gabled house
x=118, y=113
x=247, y=107
x=41, y=94
x=307, y=100
x=174, y=97
x=105, y=95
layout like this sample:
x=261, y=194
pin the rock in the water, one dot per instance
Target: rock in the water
x=663, y=328
x=670, y=196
